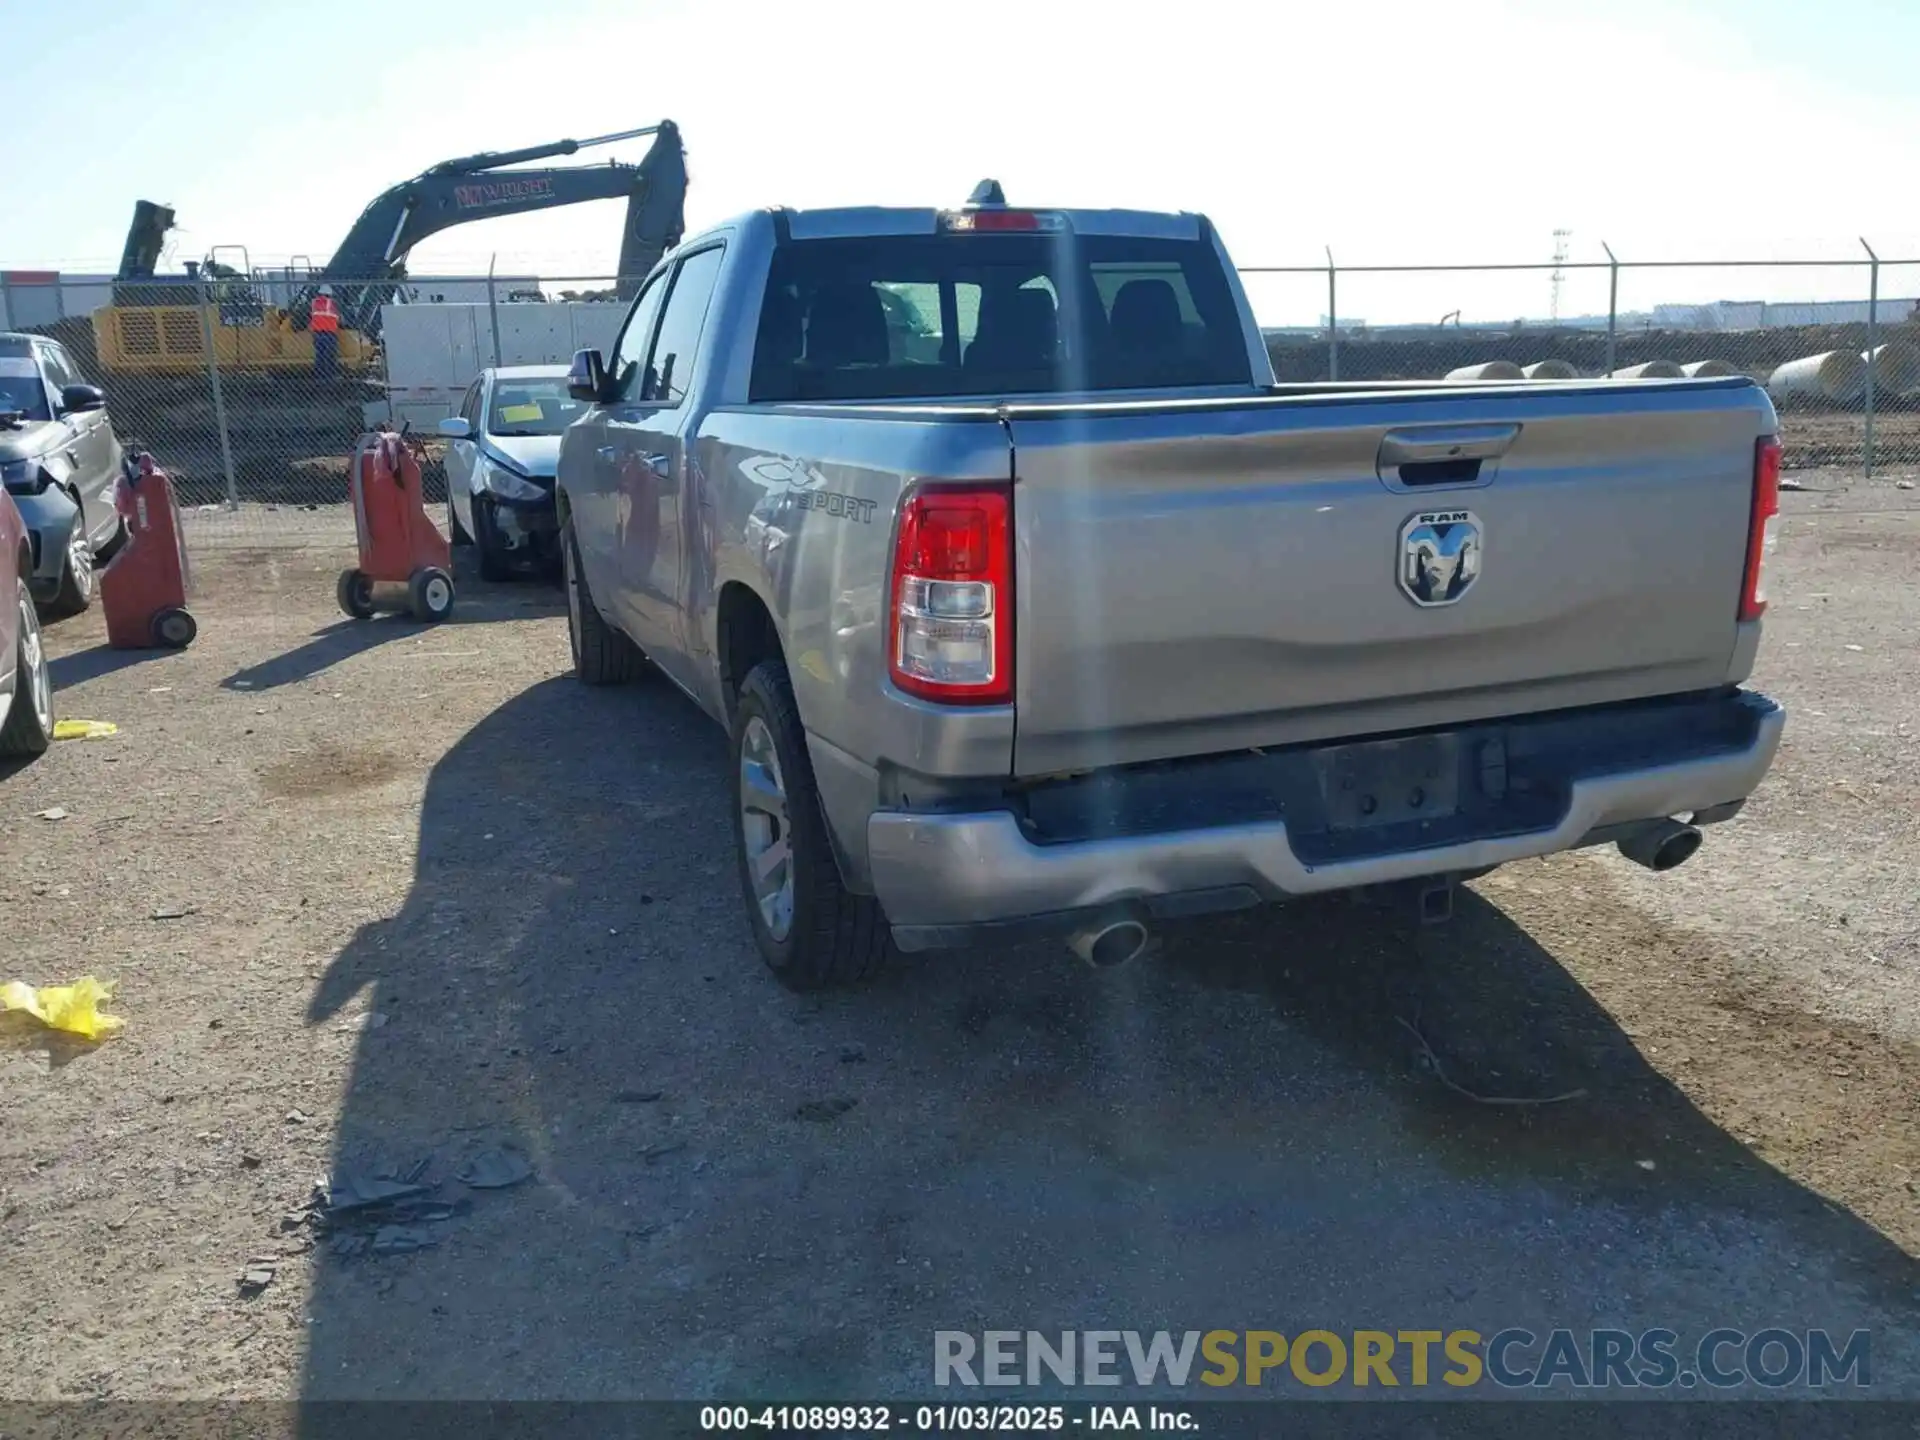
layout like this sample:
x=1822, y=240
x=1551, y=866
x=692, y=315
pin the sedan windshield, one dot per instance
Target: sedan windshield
x=25, y=394
x=538, y=406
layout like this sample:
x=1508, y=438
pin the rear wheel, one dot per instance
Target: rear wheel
x=602, y=655
x=76, y=573
x=29, y=727
x=811, y=931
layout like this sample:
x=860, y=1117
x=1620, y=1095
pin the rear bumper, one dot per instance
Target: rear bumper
x=951, y=878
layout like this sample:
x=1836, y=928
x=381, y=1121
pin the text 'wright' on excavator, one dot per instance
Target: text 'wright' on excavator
x=162, y=324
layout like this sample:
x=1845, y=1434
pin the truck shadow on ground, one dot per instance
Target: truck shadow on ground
x=736, y=1191
x=477, y=604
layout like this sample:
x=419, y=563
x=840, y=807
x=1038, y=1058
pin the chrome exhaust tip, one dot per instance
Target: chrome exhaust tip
x=1664, y=846
x=1111, y=943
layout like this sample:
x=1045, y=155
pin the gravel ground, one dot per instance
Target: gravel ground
x=439, y=899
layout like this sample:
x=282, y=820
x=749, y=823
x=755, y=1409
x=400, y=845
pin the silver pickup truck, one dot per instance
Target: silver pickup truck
x=1032, y=604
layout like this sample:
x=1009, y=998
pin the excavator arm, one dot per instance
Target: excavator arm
x=369, y=262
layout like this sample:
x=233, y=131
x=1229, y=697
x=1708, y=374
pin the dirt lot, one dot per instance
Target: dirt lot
x=440, y=899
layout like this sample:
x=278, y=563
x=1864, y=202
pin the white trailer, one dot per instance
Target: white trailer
x=434, y=351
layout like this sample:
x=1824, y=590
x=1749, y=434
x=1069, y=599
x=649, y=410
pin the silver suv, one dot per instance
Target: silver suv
x=59, y=459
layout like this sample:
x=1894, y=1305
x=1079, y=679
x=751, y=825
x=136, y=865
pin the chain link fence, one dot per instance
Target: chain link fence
x=221, y=382
x=1844, y=373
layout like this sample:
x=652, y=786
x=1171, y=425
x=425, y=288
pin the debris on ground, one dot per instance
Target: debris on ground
x=495, y=1170
x=379, y=1213
x=347, y=1190
x=823, y=1110
x=297, y=1117
x=259, y=1274
x=637, y=1097
x=172, y=912
x=84, y=729
x=52, y=812
x=73, y=1009
x=852, y=1055
x=401, y=1240
x=656, y=1152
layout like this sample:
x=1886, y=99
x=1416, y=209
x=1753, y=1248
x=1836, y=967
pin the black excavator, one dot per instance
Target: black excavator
x=153, y=325
x=371, y=261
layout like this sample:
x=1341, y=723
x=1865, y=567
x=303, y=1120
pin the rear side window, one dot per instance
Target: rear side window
x=898, y=316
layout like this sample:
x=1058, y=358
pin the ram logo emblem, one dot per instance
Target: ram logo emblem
x=1441, y=553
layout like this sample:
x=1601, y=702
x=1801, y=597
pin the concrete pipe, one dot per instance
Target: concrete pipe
x=1896, y=368
x=1550, y=370
x=1707, y=369
x=1651, y=370
x=1839, y=376
x=1489, y=370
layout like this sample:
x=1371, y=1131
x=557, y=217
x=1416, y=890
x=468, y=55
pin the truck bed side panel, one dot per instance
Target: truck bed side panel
x=803, y=515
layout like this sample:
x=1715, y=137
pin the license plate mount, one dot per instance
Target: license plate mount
x=1389, y=782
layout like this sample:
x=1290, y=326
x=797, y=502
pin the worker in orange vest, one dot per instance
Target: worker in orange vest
x=324, y=323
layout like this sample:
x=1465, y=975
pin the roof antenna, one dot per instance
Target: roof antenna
x=987, y=192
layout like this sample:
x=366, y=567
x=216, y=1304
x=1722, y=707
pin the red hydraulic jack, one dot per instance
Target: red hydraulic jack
x=144, y=589
x=399, y=545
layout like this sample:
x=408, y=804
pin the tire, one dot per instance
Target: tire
x=115, y=544
x=430, y=594
x=811, y=932
x=494, y=566
x=354, y=591
x=602, y=655
x=29, y=727
x=174, y=629
x=78, y=584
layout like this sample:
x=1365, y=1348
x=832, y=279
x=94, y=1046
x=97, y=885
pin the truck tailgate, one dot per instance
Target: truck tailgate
x=1202, y=578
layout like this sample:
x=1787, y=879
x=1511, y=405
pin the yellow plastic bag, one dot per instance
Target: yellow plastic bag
x=73, y=1008
x=84, y=729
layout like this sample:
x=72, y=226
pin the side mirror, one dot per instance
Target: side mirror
x=76, y=398
x=587, y=377
x=456, y=428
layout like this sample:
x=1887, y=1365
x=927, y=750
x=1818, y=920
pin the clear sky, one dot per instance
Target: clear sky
x=1465, y=130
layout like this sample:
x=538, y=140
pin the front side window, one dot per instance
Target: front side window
x=679, y=343
x=59, y=374
x=631, y=382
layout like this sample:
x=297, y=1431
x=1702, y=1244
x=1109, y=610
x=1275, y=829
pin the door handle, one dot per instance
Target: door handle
x=1445, y=442
x=1422, y=456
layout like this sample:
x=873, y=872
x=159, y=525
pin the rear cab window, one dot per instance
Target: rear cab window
x=970, y=314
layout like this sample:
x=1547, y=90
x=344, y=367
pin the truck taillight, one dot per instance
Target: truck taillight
x=952, y=614
x=1766, y=509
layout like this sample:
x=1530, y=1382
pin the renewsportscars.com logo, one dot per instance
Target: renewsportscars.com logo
x=1514, y=1359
